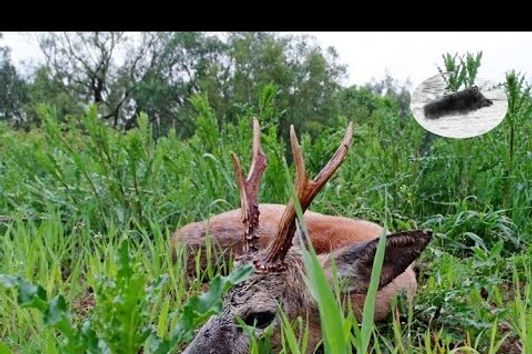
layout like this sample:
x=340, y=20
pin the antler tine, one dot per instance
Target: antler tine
x=306, y=191
x=249, y=190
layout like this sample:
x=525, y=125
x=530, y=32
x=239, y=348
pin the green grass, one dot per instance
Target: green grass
x=69, y=196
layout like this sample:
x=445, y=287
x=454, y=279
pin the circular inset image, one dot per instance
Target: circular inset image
x=466, y=113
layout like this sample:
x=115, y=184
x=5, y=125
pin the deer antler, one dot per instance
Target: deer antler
x=273, y=259
x=249, y=190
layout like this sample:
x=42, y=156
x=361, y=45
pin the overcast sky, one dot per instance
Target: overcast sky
x=406, y=55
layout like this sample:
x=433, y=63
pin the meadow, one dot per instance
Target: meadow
x=87, y=213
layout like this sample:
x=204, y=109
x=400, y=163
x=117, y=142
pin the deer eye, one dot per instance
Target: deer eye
x=259, y=319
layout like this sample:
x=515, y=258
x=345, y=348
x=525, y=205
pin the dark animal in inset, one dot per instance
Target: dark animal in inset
x=462, y=102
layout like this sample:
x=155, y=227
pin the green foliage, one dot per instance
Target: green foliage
x=332, y=318
x=458, y=71
x=120, y=321
x=158, y=72
x=45, y=88
x=121, y=313
x=337, y=328
x=71, y=188
x=55, y=314
x=207, y=129
x=468, y=230
x=4, y=349
x=13, y=91
x=182, y=64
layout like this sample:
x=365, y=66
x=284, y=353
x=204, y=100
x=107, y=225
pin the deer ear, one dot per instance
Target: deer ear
x=354, y=263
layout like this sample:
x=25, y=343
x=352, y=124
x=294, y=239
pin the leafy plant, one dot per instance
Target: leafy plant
x=119, y=323
x=459, y=71
x=71, y=188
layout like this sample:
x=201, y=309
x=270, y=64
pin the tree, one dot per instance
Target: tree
x=159, y=72
x=125, y=75
x=307, y=77
x=185, y=63
x=87, y=68
x=13, y=93
x=358, y=103
x=43, y=87
x=390, y=87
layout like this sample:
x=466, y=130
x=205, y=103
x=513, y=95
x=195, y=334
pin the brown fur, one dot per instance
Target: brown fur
x=327, y=233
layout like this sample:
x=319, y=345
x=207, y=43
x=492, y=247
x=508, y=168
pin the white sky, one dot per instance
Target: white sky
x=406, y=55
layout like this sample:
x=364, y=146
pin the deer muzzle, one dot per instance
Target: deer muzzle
x=218, y=336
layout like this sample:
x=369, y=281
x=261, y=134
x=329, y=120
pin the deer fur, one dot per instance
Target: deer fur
x=327, y=233
x=346, y=245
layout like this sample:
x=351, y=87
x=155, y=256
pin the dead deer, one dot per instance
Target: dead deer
x=267, y=243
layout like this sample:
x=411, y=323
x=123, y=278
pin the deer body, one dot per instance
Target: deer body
x=263, y=235
x=326, y=233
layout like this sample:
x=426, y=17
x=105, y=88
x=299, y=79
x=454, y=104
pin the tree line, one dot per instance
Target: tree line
x=158, y=73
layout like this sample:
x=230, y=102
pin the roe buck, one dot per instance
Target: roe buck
x=266, y=242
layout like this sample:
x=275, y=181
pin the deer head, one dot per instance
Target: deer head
x=278, y=277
